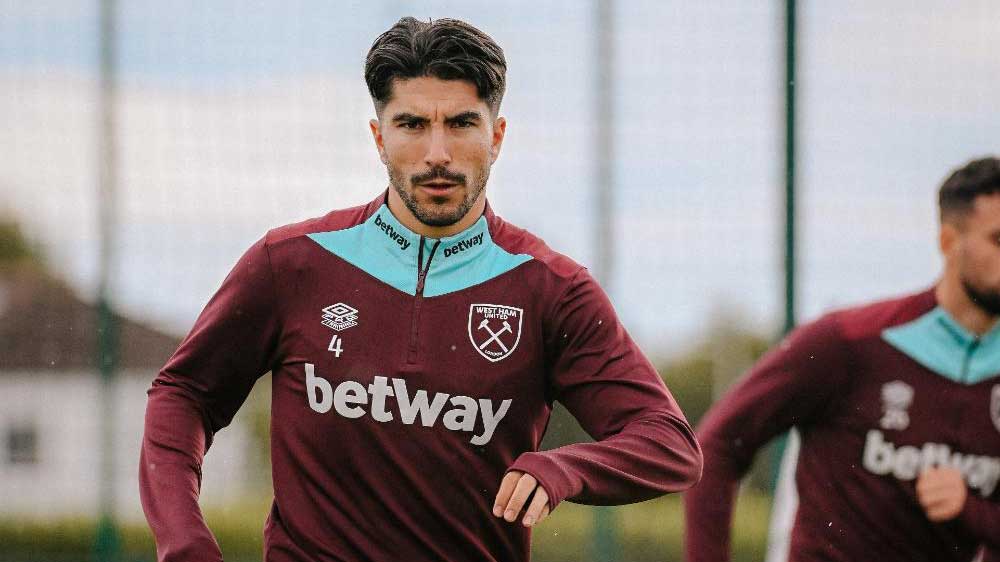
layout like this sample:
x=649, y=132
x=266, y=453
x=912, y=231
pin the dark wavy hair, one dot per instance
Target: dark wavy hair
x=448, y=49
x=958, y=193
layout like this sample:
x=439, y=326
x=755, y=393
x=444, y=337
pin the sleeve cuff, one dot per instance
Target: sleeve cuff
x=553, y=478
x=979, y=517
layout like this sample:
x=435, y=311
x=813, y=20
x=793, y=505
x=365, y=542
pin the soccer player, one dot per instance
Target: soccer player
x=416, y=345
x=898, y=408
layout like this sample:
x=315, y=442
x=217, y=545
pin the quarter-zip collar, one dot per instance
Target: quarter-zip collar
x=964, y=337
x=382, y=247
x=940, y=343
x=396, y=239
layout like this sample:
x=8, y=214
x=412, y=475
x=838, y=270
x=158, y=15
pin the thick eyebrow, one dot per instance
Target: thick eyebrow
x=464, y=116
x=409, y=118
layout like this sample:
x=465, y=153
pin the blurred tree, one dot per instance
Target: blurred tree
x=14, y=247
x=257, y=414
x=702, y=375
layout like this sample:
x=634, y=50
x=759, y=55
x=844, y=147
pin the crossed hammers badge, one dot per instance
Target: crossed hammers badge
x=494, y=330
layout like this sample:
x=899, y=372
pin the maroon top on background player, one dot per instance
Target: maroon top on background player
x=416, y=345
x=898, y=408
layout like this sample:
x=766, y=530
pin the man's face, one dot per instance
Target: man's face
x=976, y=253
x=438, y=141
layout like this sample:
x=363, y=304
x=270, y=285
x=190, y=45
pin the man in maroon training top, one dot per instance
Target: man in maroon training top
x=416, y=344
x=898, y=408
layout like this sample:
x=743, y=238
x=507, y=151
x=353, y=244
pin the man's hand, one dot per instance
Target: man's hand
x=515, y=489
x=942, y=493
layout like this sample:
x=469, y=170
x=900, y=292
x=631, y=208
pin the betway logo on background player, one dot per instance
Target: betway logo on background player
x=906, y=463
x=349, y=398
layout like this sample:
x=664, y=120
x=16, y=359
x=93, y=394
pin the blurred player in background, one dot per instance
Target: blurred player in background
x=416, y=345
x=898, y=407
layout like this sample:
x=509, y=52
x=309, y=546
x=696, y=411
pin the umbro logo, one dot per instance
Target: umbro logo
x=340, y=316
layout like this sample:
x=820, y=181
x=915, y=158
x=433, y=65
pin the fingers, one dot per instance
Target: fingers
x=941, y=476
x=538, y=509
x=939, y=479
x=942, y=507
x=507, y=486
x=942, y=493
x=929, y=496
x=942, y=511
x=932, y=498
x=515, y=490
x=525, y=485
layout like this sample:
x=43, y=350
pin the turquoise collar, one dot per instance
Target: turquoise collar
x=387, y=250
x=391, y=234
x=938, y=342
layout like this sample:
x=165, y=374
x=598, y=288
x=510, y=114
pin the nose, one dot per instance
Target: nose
x=437, y=149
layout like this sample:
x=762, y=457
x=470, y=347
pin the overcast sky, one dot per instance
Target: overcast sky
x=239, y=116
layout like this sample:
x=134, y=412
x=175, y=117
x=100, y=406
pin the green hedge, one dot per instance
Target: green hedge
x=650, y=531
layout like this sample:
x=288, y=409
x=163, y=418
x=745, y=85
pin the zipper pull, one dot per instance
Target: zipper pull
x=969, y=351
x=421, y=269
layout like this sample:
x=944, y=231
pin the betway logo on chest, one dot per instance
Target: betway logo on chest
x=906, y=463
x=350, y=398
x=391, y=232
x=464, y=245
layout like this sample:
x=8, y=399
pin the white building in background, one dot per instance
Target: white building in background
x=50, y=454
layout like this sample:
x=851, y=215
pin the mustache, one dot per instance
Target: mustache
x=438, y=172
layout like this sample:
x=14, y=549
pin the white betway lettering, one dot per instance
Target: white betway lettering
x=408, y=410
x=906, y=463
x=391, y=232
x=490, y=420
x=349, y=398
x=464, y=245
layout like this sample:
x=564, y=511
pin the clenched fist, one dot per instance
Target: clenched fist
x=942, y=493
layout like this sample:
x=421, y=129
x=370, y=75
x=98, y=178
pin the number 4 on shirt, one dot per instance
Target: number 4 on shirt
x=336, y=346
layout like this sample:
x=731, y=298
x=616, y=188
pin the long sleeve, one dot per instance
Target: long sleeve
x=195, y=395
x=790, y=386
x=981, y=517
x=644, y=446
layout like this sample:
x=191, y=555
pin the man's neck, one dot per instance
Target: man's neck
x=407, y=218
x=956, y=302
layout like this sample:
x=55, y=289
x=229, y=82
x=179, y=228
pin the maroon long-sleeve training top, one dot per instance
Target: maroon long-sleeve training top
x=878, y=393
x=409, y=374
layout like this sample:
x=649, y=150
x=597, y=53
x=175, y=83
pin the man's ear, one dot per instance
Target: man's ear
x=376, y=128
x=499, y=130
x=948, y=238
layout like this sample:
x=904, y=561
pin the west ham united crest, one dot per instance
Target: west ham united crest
x=995, y=406
x=340, y=316
x=495, y=329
